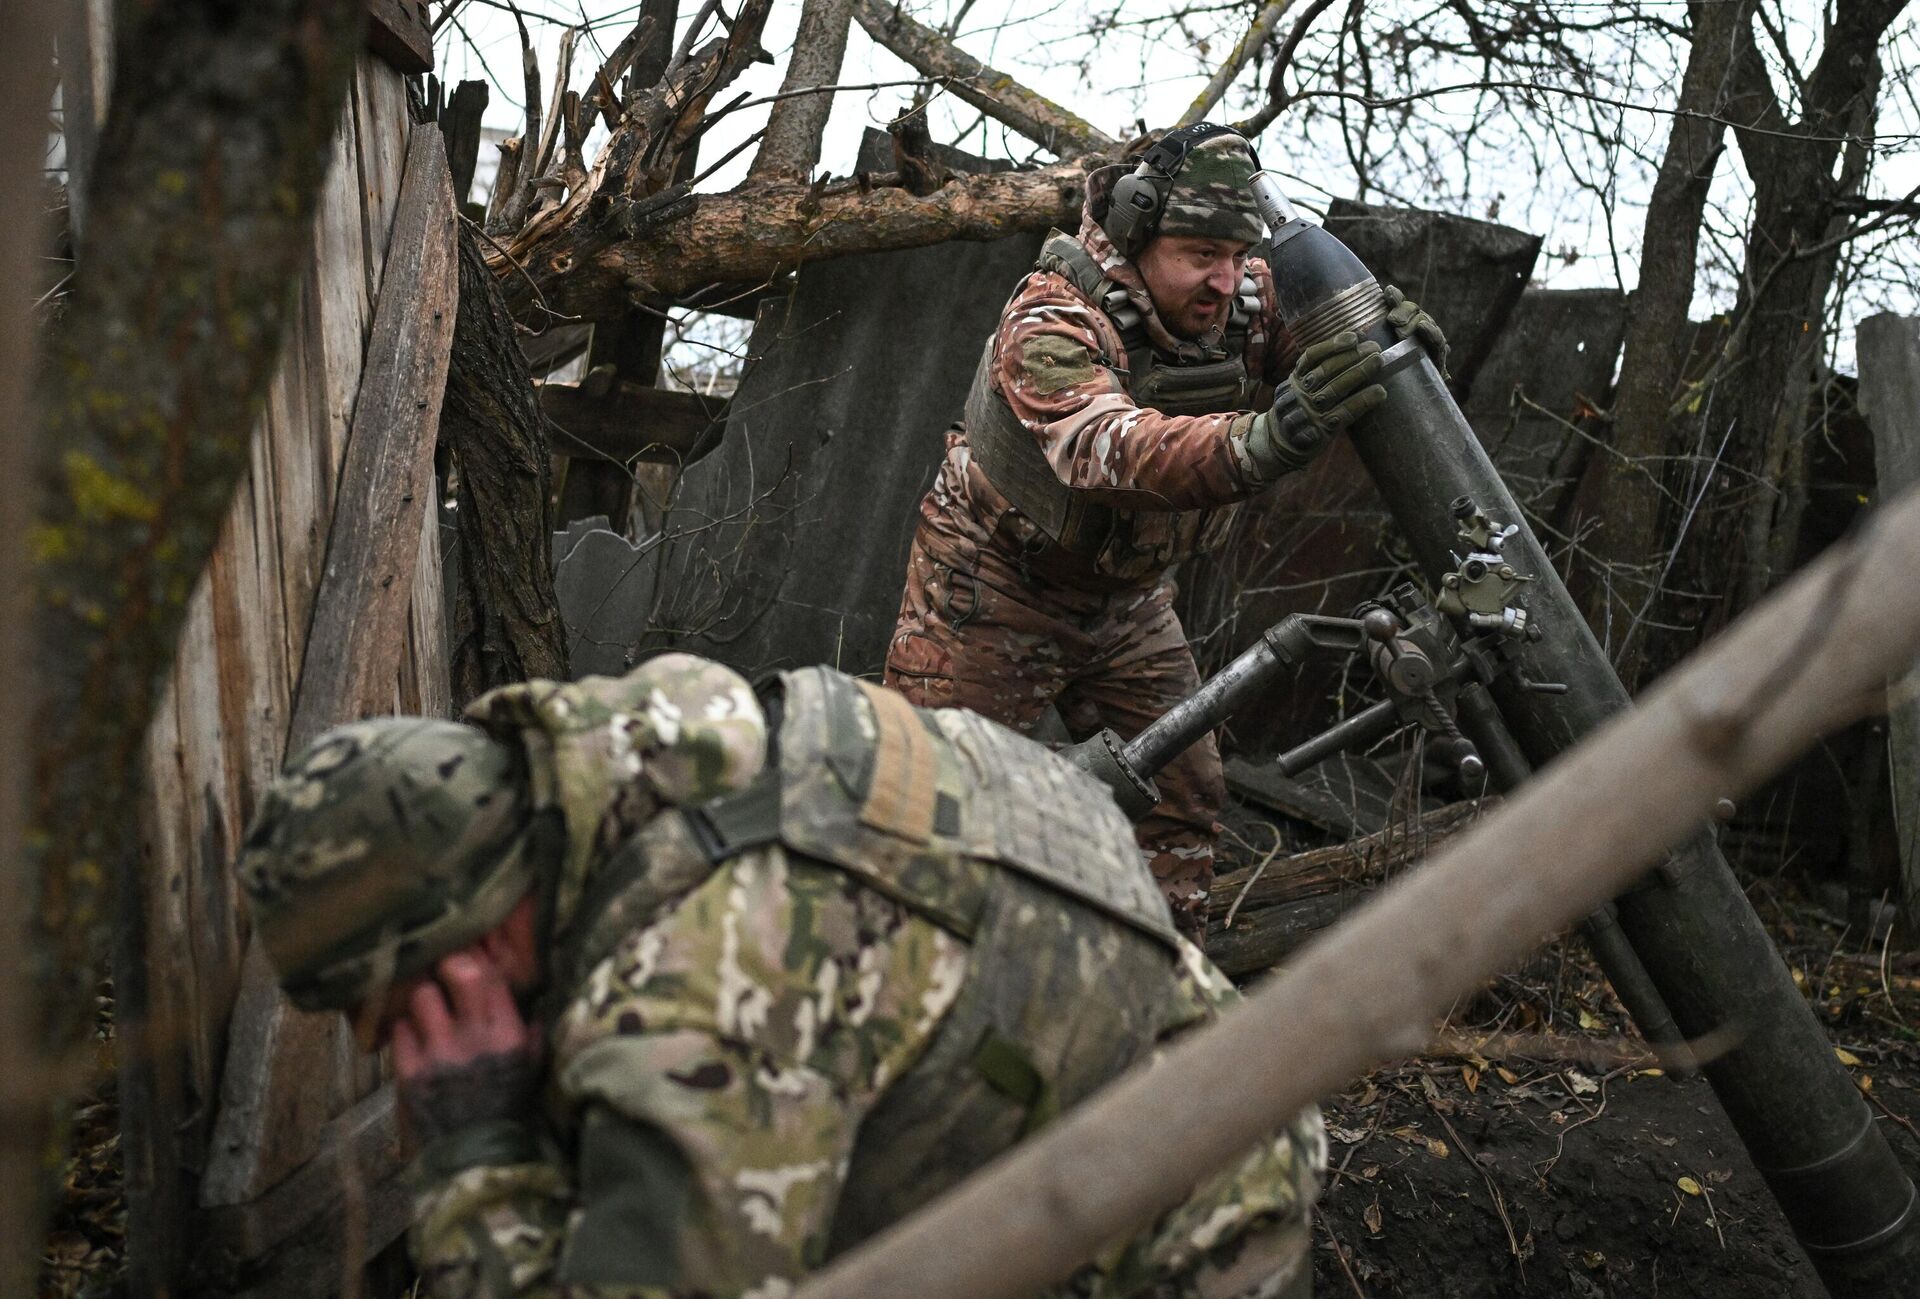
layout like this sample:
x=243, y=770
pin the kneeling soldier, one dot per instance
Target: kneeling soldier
x=690, y=990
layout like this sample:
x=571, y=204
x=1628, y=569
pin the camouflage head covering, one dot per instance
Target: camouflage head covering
x=384, y=846
x=391, y=843
x=1210, y=194
x=606, y=752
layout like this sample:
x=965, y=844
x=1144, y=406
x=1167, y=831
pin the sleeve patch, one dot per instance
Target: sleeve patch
x=1053, y=362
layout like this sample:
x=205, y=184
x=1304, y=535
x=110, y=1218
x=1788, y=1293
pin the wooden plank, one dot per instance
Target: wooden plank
x=401, y=32
x=427, y=623
x=344, y=305
x=624, y=422
x=380, y=129
x=1889, y=363
x=270, y=1112
x=386, y=484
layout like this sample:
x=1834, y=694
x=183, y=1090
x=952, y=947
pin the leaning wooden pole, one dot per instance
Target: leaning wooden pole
x=1815, y=656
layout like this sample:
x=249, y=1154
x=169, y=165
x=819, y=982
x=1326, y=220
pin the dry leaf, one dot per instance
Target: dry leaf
x=1477, y=1060
x=1688, y=1185
x=1581, y=1084
x=1594, y=1260
x=1590, y=1021
x=1507, y=1076
x=1370, y=1172
x=1719, y=1175
x=1372, y=1217
x=1436, y=1147
x=1345, y=1136
x=1866, y=1082
x=1470, y=1076
x=1846, y=1057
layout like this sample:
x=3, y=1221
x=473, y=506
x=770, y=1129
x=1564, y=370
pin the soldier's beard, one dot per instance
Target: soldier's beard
x=1195, y=316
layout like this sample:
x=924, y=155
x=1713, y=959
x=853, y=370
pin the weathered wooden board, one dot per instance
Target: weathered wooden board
x=270, y=1111
x=1889, y=359
x=219, y=734
x=624, y=422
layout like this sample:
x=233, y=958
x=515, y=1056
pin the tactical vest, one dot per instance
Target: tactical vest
x=1019, y=470
x=1072, y=968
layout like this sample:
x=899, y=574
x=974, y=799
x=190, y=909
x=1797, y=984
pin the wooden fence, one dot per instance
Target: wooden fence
x=258, y=1143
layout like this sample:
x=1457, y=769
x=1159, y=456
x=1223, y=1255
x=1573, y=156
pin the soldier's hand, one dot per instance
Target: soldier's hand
x=1408, y=319
x=463, y=1053
x=1332, y=385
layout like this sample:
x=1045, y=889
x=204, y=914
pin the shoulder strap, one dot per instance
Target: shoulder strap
x=1066, y=256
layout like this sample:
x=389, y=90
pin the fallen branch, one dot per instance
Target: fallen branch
x=1297, y=897
x=594, y=269
x=996, y=94
x=1811, y=658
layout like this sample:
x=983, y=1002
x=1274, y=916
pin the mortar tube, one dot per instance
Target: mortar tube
x=1849, y=1202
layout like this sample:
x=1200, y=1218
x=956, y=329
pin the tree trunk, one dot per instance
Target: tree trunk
x=1630, y=489
x=506, y=626
x=26, y=84
x=1723, y=562
x=792, y=145
x=208, y=171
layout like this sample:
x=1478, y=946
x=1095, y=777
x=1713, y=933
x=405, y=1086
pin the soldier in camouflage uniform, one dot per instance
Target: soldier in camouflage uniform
x=674, y=1017
x=1124, y=405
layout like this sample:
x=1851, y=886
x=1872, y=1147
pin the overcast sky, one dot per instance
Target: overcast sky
x=1044, y=43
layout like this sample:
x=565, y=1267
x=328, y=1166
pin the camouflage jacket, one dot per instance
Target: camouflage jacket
x=707, y=1078
x=1047, y=366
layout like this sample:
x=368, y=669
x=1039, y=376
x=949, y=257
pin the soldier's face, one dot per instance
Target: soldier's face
x=1192, y=280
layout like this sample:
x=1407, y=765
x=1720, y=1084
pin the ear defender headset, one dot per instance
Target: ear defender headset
x=1138, y=199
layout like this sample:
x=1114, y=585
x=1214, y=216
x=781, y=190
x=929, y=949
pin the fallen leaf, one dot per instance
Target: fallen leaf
x=1800, y=976
x=1665, y=1141
x=1406, y=1133
x=1345, y=1136
x=1436, y=1147
x=1594, y=1259
x=1470, y=1076
x=1372, y=1217
x=1846, y=1057
x=1688, y=1185
x=1866, y=1082
x=1590, y=1021
x=1477, y=1060
x=1719, y=1175
x=1581, y=1084
x=1649, y=1073
x=1507, y=1076
x=1370, y=1172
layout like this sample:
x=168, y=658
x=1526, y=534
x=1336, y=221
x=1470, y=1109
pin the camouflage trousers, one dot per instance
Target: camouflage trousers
x=1118, y=660
x=713, y=1074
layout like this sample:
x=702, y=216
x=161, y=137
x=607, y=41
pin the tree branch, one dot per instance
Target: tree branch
x=748, y=236
x=1259, y=32
x=792, y=145
x=993, y=93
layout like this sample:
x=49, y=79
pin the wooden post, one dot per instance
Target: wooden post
x=1888, y=348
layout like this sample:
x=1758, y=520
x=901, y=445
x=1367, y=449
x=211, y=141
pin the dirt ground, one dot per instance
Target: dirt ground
x=1544, y=1153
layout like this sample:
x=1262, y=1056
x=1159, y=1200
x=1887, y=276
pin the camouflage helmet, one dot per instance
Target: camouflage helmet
x=384, y=846
x=1211, y=193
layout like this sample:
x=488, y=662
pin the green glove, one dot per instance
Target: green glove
x=1331, y=386
x=1407, y=320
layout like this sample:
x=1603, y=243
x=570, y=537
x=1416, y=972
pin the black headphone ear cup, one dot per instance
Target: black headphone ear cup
x=1132, y=212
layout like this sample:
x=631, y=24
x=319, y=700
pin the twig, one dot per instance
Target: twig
x=1259, y=32
x=539, y=298
x=1340, y=1253
x=1499, y=1200
x=1258, y=871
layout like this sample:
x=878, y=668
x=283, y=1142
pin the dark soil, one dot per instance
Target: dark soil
x=1548, y=1155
